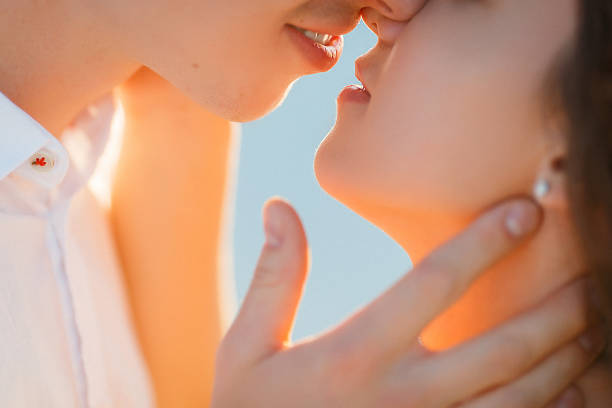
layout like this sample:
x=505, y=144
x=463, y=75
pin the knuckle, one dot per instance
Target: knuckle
x=321, y=360
x=576, y=356
x=265, y=275
x=502, y=398
x=518, y=398
x=489, y=233
x=579, y=313
x=438, y=276
x=344, y=362
x=409, y=393
x=338, y=379
x=316, y=362
x=574, y=302
x=346, y=368
x=510, y=355
x=231, y=352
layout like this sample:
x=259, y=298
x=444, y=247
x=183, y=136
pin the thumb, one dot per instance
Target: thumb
x=265, y=319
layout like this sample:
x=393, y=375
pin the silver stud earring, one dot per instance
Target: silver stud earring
x=541, y=188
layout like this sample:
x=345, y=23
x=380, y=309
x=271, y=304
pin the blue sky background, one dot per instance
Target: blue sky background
x=352, y=261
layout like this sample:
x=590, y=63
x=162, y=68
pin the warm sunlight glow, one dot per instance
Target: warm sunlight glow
x=100, y=182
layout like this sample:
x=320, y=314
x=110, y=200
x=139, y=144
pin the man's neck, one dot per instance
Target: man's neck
x=55, y=61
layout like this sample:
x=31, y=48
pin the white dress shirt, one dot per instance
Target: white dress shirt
x=66, y=335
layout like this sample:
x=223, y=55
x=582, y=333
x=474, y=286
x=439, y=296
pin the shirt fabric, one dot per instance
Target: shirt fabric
x=66, y=335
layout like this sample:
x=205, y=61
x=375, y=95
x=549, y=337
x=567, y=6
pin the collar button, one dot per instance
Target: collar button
x=42, y=161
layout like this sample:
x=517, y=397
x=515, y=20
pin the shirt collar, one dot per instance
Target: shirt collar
x=22, y=141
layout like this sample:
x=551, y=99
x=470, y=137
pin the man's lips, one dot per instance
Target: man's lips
x=342, y=25
x=321, y=50
x=320, y=37
x=321, y=42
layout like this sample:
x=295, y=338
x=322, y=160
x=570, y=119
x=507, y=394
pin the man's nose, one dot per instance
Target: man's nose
x=385, y=28
x=399, y=10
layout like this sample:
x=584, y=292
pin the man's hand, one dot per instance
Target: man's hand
x=374, y=358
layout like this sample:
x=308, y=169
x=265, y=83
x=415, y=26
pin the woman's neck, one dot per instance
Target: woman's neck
x=538, y=267
x=55, y=60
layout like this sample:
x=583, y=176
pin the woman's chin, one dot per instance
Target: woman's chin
x=325, y=163
x=337, y=155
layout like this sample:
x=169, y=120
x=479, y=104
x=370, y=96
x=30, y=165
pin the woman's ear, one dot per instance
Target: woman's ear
x=550, y=186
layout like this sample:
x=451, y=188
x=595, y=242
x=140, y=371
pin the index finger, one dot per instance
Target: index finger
x=392, y=321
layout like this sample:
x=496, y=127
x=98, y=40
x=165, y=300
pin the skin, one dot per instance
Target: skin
x=101, y=43
x=456, y=121
x=180, y=316
x=374, y=358
x=85, y=49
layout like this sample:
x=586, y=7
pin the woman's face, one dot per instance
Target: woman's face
x=455, y=117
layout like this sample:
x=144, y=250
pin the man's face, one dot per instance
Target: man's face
x=237, y=58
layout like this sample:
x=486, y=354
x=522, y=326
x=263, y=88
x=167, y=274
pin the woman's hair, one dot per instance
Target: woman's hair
x=585, y=95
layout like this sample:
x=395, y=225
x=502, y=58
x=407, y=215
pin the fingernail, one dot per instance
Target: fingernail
x=522, y=219
x=272, y=227
x=594, y=340
x=571, y=398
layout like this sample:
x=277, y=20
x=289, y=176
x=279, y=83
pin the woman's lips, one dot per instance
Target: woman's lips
x=321, y=57
x=354, y=93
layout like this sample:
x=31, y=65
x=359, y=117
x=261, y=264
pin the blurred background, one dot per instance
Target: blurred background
x=352, y=261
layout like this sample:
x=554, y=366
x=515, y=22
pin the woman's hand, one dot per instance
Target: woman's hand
x=374, y=358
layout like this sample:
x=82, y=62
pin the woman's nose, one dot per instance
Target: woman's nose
x=386, y=29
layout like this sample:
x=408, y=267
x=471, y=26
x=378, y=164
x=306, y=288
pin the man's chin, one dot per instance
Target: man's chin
x=245, y=106
x=262, y=107
x=244, y=114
